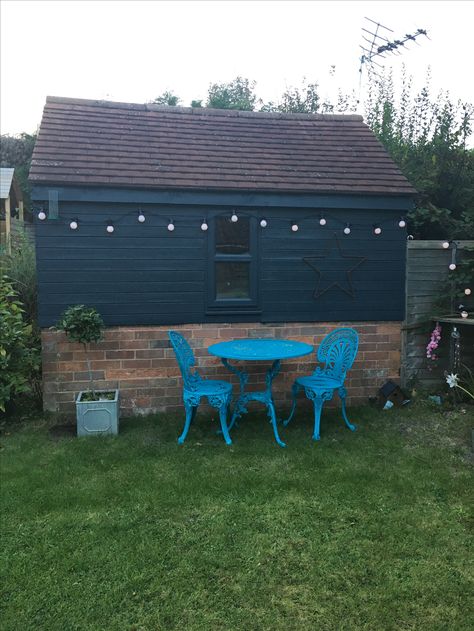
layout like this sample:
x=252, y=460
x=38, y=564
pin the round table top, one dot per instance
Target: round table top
x=260, y=349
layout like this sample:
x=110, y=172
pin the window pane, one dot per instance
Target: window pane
x=232, y=238
x=232, y=280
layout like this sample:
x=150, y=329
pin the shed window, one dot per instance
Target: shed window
x=233, y=264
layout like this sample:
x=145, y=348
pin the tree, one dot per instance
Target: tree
x=236, y=95
x=167, y=98
x=16, y=152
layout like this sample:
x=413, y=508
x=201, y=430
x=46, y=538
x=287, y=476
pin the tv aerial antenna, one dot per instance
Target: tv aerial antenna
x=377, y=45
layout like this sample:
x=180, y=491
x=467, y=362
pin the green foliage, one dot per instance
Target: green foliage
x=81, y=324
x=16, y=152
x=20, y=267
x=427, y=137
x=236, y=95
x=196, y=103
x=451, y=292
x=19, y=351
x=167, y=98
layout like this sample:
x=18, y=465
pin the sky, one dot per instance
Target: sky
x=134, y=51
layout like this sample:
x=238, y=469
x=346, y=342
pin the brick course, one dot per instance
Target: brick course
x=140, y=362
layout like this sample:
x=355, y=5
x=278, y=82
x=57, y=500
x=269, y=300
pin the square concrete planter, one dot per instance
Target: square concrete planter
x=97, y=417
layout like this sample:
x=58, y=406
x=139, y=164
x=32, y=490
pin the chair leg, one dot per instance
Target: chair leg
x=295, y=388
x=223, y=418
x=190, y=414
x=342, y=395
x=318, y=403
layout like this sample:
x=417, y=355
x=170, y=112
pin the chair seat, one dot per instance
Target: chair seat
x=210, y=387
x=319, y=382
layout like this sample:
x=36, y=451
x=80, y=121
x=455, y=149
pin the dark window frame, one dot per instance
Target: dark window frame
x=233, y=305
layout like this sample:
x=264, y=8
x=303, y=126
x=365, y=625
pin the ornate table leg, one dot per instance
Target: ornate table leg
x=268, y=399
x=239, y=408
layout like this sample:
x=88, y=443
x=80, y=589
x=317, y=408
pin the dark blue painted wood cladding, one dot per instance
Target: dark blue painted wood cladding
x=142, y=274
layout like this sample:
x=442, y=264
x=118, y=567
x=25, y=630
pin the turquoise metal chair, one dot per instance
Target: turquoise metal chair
x=337, y=351
x=218, y=393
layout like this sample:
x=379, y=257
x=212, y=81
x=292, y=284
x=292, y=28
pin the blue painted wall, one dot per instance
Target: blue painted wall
x=144, y=274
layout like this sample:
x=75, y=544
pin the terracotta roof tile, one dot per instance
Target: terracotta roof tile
x=126, y=144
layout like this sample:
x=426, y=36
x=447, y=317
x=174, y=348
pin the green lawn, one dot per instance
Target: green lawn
x=366, y=530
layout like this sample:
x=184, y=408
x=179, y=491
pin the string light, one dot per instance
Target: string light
x=204, y=225
x=402, y=223
x=110, y=227
x=294, y=227
x=445, y=245
x=464, y=314
x=141, y=217
x=377, y=230
x=467, y=291
x=41, y=215
x=171, y=225
x=73, y=225
x=410, y=237
x=322, y=221
x=452, y=266
x=347, y=229
x=234, y=217
x=263, y=223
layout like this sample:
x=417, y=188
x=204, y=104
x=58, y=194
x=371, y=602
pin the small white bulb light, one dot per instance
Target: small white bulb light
x=171, y=225
x=322, y=221
x=141, y=217
x=347, y=229
x=445, y=244
x=110, y=228
x=377, y=230
x=41, y=215
x=294, y=227
x=263, y=223
x=204, y=226
x=452, y=266
x=467, y=291
x=234, y=218
x=402, y=223
x=464, y=314
x=73, y=225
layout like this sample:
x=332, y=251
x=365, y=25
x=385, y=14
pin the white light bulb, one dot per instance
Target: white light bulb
x=141, y=218
x=73, y=225
x=402, y=223
x=452, y=266
x=347, y=230
x=263, y=223
x=445, y=245
x=41, y=215
x=204, y=226
x=467, y=291
x=377, y=230
x=410, y=237
x=171, y=226
x=322, y=221
x=294, y=227
x=110, y=228
x=464, y=314
x=234, y=218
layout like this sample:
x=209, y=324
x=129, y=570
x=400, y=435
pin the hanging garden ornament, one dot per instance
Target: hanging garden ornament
x=445, y=245
x=347, y=229
x=204, y=225
x=467, y=291
x=263, y=223
x=171, y=225
x=141, y=217
x=234, y=217
x=322, y=221
x=74, y=225
x=41, y=215
x=402, y=223
x=294, y=227
x=110, y=227
x=377, y=230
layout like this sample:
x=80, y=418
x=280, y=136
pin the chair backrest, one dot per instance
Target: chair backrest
x=186, y=360
x=338, y=351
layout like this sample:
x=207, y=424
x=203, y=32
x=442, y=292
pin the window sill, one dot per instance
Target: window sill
x=227, y=310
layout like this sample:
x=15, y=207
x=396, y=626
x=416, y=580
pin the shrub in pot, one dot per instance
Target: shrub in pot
x=97, y=412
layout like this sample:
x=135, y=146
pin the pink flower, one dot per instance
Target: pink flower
x=434, y=342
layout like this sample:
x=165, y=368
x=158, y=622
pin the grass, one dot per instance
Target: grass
x=362, y=531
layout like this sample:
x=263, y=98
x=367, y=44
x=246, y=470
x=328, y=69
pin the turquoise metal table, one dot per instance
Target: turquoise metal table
x=258, y=350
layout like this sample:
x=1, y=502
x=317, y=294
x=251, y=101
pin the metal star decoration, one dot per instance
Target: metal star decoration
x=322, y=287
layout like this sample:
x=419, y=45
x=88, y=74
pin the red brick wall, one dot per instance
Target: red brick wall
x=140, y=362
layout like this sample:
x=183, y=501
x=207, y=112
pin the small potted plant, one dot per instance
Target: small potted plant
x=97, y=412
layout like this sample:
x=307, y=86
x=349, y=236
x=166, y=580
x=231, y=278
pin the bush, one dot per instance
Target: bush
x=20, y=267
x=19, y=352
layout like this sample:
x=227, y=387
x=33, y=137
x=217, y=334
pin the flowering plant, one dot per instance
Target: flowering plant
x=434, y=342
x=453, y=382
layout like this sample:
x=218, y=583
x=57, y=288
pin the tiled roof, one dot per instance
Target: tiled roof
x=84, y=142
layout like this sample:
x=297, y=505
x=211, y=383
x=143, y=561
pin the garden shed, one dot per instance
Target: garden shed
x=221, y=224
